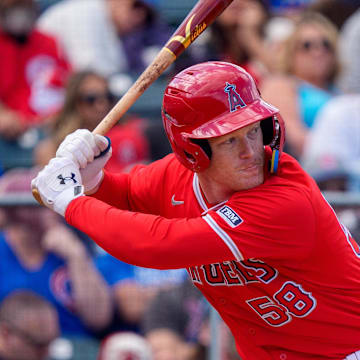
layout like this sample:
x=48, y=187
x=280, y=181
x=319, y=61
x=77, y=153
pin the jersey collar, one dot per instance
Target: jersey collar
x=200, y=197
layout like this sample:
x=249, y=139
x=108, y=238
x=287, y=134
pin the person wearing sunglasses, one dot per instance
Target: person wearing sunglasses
x=87, y=101
x=309, y=66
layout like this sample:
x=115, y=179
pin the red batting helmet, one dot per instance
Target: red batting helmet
x=213, y=99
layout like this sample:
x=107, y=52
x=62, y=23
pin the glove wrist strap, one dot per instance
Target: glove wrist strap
x=64, y=198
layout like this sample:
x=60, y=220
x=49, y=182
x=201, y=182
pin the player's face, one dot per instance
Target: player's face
x=237, y=161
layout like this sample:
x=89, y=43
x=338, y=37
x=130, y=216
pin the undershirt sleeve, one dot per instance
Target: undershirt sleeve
x=147, y=240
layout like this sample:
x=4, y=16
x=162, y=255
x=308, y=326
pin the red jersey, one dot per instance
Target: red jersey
x=32, y=75
x=273, y=260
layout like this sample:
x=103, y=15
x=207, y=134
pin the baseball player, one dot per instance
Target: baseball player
x=251, y=227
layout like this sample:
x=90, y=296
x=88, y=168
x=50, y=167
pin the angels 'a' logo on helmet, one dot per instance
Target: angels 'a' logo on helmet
x=234, y=98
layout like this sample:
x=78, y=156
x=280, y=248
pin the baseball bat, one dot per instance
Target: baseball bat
x=199, y=18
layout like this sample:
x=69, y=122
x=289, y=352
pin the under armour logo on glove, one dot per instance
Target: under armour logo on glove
x=55, y=188
x=63, y=179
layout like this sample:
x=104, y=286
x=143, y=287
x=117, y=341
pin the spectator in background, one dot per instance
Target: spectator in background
x=43, y=255
x=310, y=66
x=133, y=289
x=32, y=69
x=332, y=154
x=125, y=346
x=350, y=54
x=237, y=36
x=87, y=101
x=173, y=322
x=277, y=30
x=108, y=36
x=332, y=150
x=28, y=325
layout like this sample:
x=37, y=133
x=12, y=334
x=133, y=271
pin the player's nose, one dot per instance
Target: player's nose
x=246, y=150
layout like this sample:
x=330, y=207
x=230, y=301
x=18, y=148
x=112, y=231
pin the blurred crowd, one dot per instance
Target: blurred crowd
x=63, y=66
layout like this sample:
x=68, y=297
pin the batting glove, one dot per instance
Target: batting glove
x=58, y=184
x=89, y=152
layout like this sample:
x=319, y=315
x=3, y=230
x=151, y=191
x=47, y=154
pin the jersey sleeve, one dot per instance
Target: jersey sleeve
x=267, y=224
x=139, y=190
x=114, y=190
x=147, y=240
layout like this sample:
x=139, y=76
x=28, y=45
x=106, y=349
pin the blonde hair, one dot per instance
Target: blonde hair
x=68, y=119
x=289, y=48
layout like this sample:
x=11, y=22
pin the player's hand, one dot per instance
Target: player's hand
x=58, y=184
x=89, y=152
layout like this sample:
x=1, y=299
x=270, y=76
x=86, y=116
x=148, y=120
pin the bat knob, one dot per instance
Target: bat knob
x=37, y=196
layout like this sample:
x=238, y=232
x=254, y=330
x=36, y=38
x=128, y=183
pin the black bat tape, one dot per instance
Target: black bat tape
x=106, y=150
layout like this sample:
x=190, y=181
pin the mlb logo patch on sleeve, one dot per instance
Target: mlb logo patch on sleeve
x=230, y=216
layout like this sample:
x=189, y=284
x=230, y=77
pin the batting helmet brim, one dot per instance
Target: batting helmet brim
x=227, y=123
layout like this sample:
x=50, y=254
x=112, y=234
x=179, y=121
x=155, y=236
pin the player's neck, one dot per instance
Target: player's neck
x=213, y=192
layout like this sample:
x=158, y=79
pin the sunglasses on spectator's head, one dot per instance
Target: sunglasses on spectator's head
x=308, y=45
x=91, y=98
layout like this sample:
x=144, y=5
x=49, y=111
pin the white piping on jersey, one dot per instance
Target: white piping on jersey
x=197, y=191
x=199, y=197
x=224, y=236
x=354, y=356
x=214, y=207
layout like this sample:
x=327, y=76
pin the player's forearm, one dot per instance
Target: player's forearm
x=147, y=240
x=114, y=190
x=91, y=294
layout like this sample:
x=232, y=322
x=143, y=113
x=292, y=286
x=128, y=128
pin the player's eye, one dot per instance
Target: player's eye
x=229, y=141
x=254, y=131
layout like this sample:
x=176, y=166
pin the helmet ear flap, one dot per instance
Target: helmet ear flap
x=204, y=144
x=196, y=155
x=276, y=135
x=267, y=127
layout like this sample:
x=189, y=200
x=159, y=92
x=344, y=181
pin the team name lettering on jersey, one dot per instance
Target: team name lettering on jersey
x=230, y=216
x=230, y=273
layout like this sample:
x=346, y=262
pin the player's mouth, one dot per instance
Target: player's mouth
x=251, y=167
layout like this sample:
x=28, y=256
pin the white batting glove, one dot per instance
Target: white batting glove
x=89, y=152
x=58, y=184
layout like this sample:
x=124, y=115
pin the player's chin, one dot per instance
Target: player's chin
x=250, y=179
